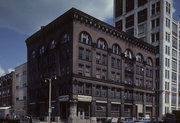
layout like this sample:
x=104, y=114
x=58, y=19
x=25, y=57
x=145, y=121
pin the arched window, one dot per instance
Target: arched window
x=139, y=58
x=149, y=62
x=53, y=44
x=41, y=50
x=116, y=49
x=101, y=44
x=85, y=38
x=65, y=38
x=128, y=54
x=33, y=54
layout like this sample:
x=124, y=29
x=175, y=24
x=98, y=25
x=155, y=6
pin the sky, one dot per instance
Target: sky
x=19, y=19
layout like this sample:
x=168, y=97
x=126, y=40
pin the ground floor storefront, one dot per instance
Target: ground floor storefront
x=84, y=109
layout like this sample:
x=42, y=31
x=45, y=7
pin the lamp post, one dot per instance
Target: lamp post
x=50, y=107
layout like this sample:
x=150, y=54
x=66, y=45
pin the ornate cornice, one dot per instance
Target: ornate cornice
x=77, y=15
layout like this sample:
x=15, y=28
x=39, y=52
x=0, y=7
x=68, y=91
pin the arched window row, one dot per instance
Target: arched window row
x=64, y=38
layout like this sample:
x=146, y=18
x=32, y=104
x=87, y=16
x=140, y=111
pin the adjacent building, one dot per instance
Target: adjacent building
x=102, y=73
x=6, y=91
x=152, y=21
x=20, y=89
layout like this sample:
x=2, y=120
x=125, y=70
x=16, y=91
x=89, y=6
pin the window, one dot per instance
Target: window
x=65, y=38
x=33, y=54
x=130, y=31
x=101, y=107
x=98, y=90
x=119, y=25
x=166, y=85
x=85, y=38
x=98, y=58
x=174, y=42
x=88, y=55
x=167, y=97
x=116, y=49
x=141, y=29
x=149, y=62
x=88, y=71
x=80, y=69
x=129, y=5
x=128, y=54
x=167, y=74
x=174, y=54
x=104, y=59
x=174, y=87
x=104, y=74
x=104, y=92
x=155, y=37
x=139, y=58
x=102, y=44
x=81, y=52
x=41, y=50
x=119, y=8
x=155, y=8
x=112, y=62
x=174, y=65
x=98, y=73
x=168, y=8
x=167, y=62
x=142, y=16
x=167, y=50
x=168, y=22
x=174, y=29
x=53, y=44
x=168, y=37
x=155, y=23
x=80, y=89
x=174, y=98
x=174, y=76
x=142, y=2
x=114, y=108
x=130, y=21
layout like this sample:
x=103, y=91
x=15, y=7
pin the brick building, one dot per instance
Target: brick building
x=102, y=73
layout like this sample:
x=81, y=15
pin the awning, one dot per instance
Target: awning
x=5, y=107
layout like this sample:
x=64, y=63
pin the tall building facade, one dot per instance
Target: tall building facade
x=152, y=21
x=20, y=89
x=102, y=73
x=6, y=91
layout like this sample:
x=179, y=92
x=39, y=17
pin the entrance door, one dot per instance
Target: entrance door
x=81, y=113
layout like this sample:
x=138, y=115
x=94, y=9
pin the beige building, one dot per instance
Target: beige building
x=20, y=89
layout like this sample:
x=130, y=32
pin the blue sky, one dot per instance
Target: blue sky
x=22, y=18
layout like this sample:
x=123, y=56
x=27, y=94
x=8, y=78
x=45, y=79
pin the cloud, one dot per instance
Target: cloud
x=2, y=71
x=10, y=70
x=27, y=16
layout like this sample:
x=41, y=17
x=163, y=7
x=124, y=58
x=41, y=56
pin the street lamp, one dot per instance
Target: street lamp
x=50, y=108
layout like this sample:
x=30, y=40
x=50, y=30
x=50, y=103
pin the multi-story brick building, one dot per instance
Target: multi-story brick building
x=152, y=21
x=102, y=73
x=6, y=91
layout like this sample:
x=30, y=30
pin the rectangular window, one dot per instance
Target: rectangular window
x=141, y=29
x=114, y=108
x=168, y=22
x=174, y=98
x=166, y=85
x=142, y=16
x=174, y=29
x=174, y=54
x=142, y=2
x=166, y=97
x=174, y=76
x=104, y=74
x=88, y=71
x=81, y=52
x=168, y=37
x=174, y=42
x=168, y=8
x=130, y=21
x=119, y=25
x=98, y=73
x=88, y=55
x=174, y=65
x=98, y=58
x=119, y=8
x=174, y=87
x=112, y=62
x=129, y=5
